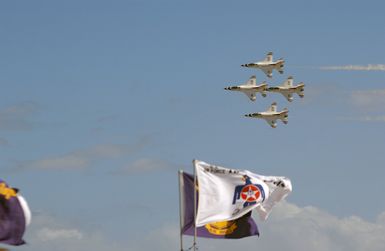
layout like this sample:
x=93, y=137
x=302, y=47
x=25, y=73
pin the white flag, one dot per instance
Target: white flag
x=227, y=194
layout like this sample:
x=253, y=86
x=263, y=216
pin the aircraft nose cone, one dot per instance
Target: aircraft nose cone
x=243, y=65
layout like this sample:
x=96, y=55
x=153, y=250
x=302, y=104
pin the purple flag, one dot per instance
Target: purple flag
x=235, y=229
x=12, y=216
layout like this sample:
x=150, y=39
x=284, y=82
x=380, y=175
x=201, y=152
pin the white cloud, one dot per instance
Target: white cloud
x=15, y=118
x=289, y=228
x=381, y=218
x=51, y=234
x=310, y=228
x=294, y=228
x=370, y=67
x=47, y=233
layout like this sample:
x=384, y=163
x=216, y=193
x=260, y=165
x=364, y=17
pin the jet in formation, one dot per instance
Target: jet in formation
x=271, y=115
x=250, y=88
x=267, y=65
x=287, y=89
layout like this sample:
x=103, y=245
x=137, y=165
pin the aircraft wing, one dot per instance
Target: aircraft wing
x=271, y=122
x=288, y=96
x=268, y=72
x=250, y=94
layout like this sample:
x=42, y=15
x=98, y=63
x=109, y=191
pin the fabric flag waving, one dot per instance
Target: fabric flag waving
x=15, y=215
x=235, y=229
x=227, y=194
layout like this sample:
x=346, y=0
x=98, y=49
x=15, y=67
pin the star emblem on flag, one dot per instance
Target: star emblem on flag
x=250, y=193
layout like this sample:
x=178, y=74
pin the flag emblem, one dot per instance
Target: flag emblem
x=250, y=193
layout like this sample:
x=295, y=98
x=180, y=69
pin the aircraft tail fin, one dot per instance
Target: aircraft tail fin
x=272, y=108
x=288, y=82
x=281, y=64
x=285, y=118
x=301, y=90
x=252, y=81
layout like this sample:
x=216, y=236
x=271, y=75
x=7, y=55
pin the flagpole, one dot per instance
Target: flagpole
x=181, y=183
x=195, y=204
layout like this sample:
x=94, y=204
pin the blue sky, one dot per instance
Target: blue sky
x=102, y=102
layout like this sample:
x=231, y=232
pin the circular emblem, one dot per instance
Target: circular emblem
x=250, y=193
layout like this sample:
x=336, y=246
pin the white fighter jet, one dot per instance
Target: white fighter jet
x=287, y=89
x=267, y=65
x=271, y=115
x=250, y=88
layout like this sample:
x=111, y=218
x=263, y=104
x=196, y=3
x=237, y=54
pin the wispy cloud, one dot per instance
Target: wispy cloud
x=4, y=142
x=145, y=165
x=370, y=67
x=82, y=159
x=378, y=118
x=369, y=98
x=69, y=161
x=108, y=118
x=370, y=103
x=15, y=118
x=53, y=234
x=48, y=233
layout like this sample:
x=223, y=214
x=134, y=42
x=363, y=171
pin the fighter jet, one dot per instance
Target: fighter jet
x=271, y=115
x=267, y=65
x=250, y=88
x=287, y=89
